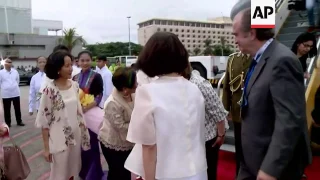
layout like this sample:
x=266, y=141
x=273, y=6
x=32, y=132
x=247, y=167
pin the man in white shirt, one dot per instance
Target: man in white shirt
x=10, y=92
x=75, y=67
x=106, y=75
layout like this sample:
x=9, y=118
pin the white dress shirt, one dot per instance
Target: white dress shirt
x=34, y=94
x=107, y=83
x=176, y=103
x=75, y=70
x=9, y=82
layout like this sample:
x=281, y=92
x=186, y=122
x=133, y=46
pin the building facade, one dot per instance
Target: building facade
x=16, y=16
x=23, y=38
x=28, y=47
x=191, y=33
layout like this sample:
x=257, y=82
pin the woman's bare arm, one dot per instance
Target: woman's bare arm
x=149, y=153
x=45, y=137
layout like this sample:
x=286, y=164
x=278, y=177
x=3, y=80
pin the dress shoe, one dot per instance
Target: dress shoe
x=21, y=124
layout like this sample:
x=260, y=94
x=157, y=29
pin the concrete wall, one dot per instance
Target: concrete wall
x=29, y=46
x=19, y=20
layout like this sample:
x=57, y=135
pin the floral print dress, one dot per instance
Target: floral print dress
x=59, y=112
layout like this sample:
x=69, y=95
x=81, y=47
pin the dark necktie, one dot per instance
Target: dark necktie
x=246, y=82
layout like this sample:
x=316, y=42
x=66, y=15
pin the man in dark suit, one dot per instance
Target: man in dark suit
x=275, y=141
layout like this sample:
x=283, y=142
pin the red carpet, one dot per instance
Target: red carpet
x=227, y=167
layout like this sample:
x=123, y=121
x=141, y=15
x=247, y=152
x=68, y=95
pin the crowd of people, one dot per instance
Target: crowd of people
x=164, y=121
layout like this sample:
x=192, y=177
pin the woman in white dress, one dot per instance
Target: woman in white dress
x=35, y=84
x=60, y=117
x=168, y=118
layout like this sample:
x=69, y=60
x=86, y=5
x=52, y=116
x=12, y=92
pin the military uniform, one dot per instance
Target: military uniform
x=237, y=67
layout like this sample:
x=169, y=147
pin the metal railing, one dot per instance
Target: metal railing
x=219, y=83
x=312, y=64
x=278, y=4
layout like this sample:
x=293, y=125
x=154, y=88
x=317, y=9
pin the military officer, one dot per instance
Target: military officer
x=236, y=70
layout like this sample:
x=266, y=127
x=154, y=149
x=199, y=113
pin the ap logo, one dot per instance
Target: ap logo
x=263, y=14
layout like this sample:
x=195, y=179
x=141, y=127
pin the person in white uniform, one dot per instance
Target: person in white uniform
x=35, y=85
x=106, y=75
x=10, y=92
x=75, y=67
x=168, y=116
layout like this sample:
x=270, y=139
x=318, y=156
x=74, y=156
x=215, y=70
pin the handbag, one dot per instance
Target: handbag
x=16, y=165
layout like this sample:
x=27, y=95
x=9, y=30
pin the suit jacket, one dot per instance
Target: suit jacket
x=236, y=70
x=274, y=126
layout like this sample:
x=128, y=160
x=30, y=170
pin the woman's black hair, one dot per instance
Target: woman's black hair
x=54, y=63
x=61, y=47
x=163, y=54
x=124, y=77
x=85, y=52
x=304, y=37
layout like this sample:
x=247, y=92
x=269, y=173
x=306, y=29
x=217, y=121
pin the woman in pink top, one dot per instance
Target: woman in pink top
x=4, y=131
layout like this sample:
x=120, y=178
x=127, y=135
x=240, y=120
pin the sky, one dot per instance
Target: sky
x=101, y=21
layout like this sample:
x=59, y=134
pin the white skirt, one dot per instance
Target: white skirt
x=134, y=165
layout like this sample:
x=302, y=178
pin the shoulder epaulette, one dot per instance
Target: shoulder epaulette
x=235, y=53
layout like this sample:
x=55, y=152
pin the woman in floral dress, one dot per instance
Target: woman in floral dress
x=91, y=83
x=60, y=117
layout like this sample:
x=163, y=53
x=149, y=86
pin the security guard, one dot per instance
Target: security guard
x=236, y=70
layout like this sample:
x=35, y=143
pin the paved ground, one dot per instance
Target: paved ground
x=30, y=141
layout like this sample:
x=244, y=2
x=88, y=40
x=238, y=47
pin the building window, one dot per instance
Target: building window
x=177, y=30
x=204, y=36
x=187, y=24
x=181, y=23
x=209, y=32
x=175, y=23
x=213, y=26
x=204, y=31
x=158, y=29
x=218, y=26
x=207, y=25
x=203, y=25
x=164, y=29
x=199, y=31
x=198, y=24
x=188, y=41
x=194, y=41
x=182, y=30
x=222, y=26
x=193, y=31
x=188, y=30
x=182, y=35
x=163, y=22
x=194, y=36
x=182, y=40
x=199, y=36
x=170, y=23
x=188, y=35
x=170, y=30
x=194, y=45
x=188, y=45
x=199, y=41
x=157, y=22
x=209, y=36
